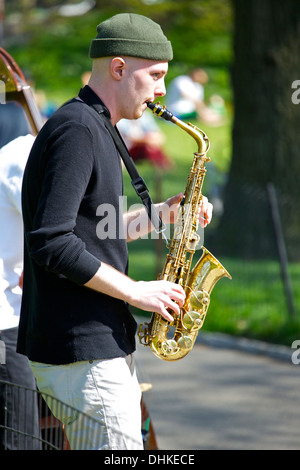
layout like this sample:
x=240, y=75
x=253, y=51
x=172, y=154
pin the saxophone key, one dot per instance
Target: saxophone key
x=170, y=347
x=192, y=319
x=185, y=342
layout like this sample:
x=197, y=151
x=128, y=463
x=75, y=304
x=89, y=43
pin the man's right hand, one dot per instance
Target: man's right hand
x=158, y=297
x=153, y=296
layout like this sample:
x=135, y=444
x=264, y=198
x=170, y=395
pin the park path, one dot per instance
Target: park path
x=224, y=395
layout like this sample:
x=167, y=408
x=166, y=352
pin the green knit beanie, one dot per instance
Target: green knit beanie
x=132, y=35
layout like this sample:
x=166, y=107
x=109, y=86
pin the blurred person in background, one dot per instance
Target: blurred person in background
x=186, y=98
x=145, y=140
x=13, y=122
x=16, y=142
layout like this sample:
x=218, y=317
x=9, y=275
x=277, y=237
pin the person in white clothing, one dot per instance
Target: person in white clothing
x=185, y=97
x=13, y=157
x=14, y=368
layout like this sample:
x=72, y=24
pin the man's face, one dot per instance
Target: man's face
x=143, y=81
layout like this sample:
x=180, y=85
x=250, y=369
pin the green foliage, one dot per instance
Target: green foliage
x=53, y=50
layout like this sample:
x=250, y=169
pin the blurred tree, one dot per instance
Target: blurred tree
x=266, y=137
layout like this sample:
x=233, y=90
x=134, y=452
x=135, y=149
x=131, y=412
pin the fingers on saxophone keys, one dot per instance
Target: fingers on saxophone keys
x=168, y=308
x=165, y=314
x=206, y=212
x=173, y=302
x=203, y=221
x=179, y=297
x=209, y=212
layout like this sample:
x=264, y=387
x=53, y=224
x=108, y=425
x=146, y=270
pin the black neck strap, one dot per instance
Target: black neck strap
x=87, y=95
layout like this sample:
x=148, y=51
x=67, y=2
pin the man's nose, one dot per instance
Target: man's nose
x=161, y=89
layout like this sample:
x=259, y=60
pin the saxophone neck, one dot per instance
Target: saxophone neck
x=199, y=136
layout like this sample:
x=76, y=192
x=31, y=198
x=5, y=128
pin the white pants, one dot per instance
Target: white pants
x=107, y=395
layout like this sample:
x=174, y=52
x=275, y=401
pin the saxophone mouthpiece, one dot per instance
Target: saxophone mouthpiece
x=161, y=111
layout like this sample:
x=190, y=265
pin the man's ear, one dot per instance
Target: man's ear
x=117, y=67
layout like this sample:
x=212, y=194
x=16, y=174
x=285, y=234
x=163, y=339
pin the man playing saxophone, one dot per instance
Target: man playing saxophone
x=76, y=327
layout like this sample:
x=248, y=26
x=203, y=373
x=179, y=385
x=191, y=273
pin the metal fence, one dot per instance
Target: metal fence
x=79, y=431
x=50, y=433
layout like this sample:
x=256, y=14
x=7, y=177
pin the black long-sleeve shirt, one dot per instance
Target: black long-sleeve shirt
x=73, y=170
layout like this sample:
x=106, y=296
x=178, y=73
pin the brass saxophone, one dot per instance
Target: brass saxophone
x=171, y=341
